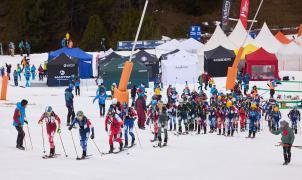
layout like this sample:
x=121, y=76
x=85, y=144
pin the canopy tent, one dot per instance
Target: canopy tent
x=218, y=39
x=282, y=38
x=111, y=72
x=238, y=35
x=60, y=69
x=84, y=60
x=148, y=60
x=267, y=40
x=180, y=68
x=191, y=45
x=218, y=60
x=290, y=57
x=167, y=47
x=262, y=65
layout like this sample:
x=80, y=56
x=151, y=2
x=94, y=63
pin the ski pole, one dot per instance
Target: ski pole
x=96, y=147
x=63, y=145
x=44, y=151
x=75, y=149
x=29, y=137
x=25, y=142
x=137, y=136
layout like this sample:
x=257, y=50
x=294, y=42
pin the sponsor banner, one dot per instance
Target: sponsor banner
x=226, y=6
x=244, y=12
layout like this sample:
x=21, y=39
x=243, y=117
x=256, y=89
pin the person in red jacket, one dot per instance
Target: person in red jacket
x=242, y=119
x=205, y=79
x=52, y=121
x=41, y=73
x=115, y=122
x=220, y=120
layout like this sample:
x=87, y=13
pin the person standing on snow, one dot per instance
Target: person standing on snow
x=253, y=117
x=19, y=70
x=33, y=72
x=8, y=70
x=294, y=116
x=102, y=102
x=19, y=120
x=276, y=116
x=27, y=48
x=41, y=72
x=287, y=140
x=77, y=86
x=140, y=107
x=15, y=74
x=163, y=126
x=21, y=48
x=52, y=121
x=85, y=127
x=27, y=76
x=133, y=95
x=69, y=104
x=129, y=118
x=115, y=122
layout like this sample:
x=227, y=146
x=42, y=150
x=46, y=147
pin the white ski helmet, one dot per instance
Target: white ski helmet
x=114, y=101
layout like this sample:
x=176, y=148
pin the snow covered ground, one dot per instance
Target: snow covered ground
x=195, y=157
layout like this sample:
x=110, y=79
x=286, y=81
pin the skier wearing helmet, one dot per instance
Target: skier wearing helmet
x=53, y=124
x=85, y=127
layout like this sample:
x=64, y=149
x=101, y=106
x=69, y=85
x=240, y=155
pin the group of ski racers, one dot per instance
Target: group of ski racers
x=188, y=112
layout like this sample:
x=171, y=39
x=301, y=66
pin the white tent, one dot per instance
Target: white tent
x=191, y=45
x=267, y=40
x=180, y=68
x=167, y=47
x=290, y=57
x=218, y=39
x=95, y=60
x=239, y=34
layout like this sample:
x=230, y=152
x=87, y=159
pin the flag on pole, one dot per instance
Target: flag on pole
x=244, y=12
x=226, y=6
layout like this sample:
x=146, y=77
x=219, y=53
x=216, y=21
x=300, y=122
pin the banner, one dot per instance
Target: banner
x=226, y=6
x=244, y=12
x=195, y=32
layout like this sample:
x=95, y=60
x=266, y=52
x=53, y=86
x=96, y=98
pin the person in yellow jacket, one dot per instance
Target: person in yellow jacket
x=157, y=92
x=45, y=69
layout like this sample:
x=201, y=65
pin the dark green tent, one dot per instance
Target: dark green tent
x=111, y=73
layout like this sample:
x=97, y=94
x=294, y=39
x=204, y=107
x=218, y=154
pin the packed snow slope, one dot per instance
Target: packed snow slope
x=194, y=157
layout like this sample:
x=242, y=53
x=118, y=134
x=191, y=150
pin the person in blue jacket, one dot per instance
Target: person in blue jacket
x=253, y=116
x=102, y=102
x=214, y=91
x=33, y=72
x=69, y=104
x=129, y=116
x=19, y=119
x=27, y=76
x=77, y=86
x=294, y=116
x=85, y=127
x=276, y=116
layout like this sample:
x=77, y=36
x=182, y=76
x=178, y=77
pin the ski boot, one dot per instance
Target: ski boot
x=159, y=144
x=165, y=144
x=132, y=142
x=121, y=147
x=20, y=147
x=155, y=137
x=179, y=129
x=219, y=132
x=228, y=133
x=204, y=130
x=174, y=129
x=84, y=155
x=52, y=152
x=232, y=133
x=170, y=127
x=111, y=148
x=250, y=133
x=223, y=132
x=296, y=130
x=126, y=144
x=254, y=134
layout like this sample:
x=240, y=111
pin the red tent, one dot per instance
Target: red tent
x=262, y=65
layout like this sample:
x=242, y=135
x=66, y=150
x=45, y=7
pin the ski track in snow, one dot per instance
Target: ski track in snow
x=186, y=157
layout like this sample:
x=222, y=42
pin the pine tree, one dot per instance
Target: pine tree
x=93, y=34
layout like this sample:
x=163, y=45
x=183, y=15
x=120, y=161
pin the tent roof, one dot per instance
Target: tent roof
x=218, y=39
x=191, y=44
x=169, y=46
x=267, y=40
x=282, y=38
x=143, y=56
x=117, y=64
x=62, y=59
x=261, y=55
x=181, y=57
x=219, y=52
x=248, y=49
x=164, y=56
x=290, y=49
x=238, y=35
x=73, y=52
